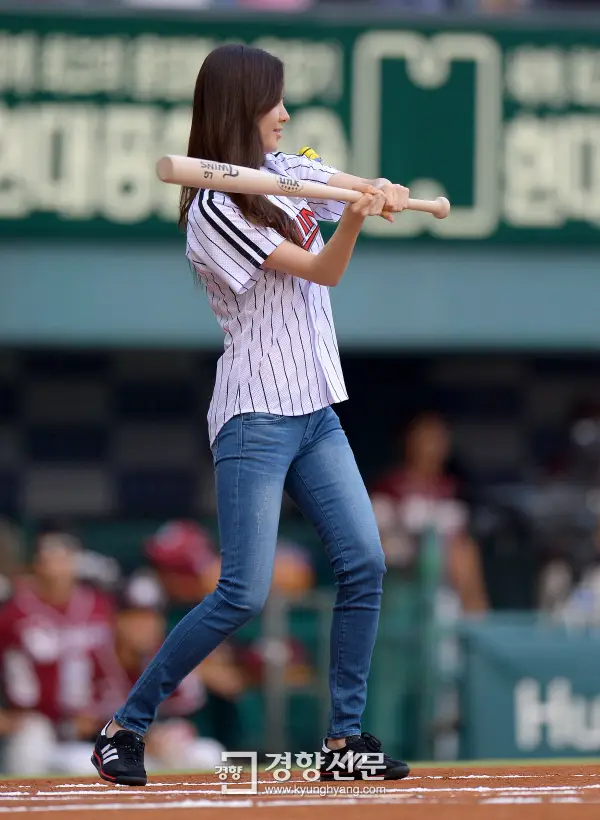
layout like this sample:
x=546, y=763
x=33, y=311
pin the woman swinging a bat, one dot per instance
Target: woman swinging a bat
x=267, y=274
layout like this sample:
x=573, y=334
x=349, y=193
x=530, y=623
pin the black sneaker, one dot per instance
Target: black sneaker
x=120, y=758
x=360, y=759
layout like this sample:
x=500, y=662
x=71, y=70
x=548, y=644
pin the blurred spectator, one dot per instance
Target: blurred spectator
x=11, y=556
x=188, y=563
x=99, y=570
x=565, y=509
x=59, y=672
x=577, y=457
x=419, y=494
x=172, y=742
x=501, y=6
x=293, y=571
x=94, y=568
x=185, y=558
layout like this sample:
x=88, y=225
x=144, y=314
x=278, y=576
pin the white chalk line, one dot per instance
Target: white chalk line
x=119, y=786
x=132, y=792
x=199, y=804
x=247, y=804
x=116, y=789
x=181, y=804
x=404, y=790
x=110, y=791
x=410, y=779
x=397, y=792
x=406, y=795
x=566, y=800
x=511, y=800
x=516, y=800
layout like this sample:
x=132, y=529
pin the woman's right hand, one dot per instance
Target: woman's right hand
x=371, y=203
x=328, y=265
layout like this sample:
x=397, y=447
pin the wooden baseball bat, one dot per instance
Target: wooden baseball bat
x=222, y=176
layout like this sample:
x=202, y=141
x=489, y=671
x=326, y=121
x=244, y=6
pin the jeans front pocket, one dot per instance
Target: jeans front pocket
x=262, y=418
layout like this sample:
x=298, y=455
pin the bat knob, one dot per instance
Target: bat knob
x=443, y=208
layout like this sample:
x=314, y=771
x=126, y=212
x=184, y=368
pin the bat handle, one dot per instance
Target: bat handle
x=439, y=208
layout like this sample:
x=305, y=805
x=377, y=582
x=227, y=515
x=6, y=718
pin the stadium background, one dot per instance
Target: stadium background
x=489, y=319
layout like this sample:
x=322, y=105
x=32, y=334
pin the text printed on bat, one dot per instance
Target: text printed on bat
x=225, y=167
x=287, y=184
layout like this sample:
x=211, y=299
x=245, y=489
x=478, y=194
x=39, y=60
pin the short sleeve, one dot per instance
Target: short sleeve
x=220, y=239
x=311, y=170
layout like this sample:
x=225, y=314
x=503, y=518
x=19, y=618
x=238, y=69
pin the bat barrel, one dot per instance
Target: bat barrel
x=165, y=169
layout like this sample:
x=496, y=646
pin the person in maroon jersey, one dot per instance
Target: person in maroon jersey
x=58, y=669
x=11, y=555
x=420, y=492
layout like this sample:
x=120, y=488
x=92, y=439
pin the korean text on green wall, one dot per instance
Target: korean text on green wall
x=503, y=121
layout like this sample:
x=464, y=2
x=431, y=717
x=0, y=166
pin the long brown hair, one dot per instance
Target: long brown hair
x=236, y=86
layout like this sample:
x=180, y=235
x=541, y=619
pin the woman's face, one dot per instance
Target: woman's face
x=270, y=126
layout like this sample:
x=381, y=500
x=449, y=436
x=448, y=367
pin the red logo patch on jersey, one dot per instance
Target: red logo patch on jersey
x=309, y=228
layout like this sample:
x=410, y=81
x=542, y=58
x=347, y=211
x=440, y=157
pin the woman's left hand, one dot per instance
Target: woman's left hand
x=396, y=197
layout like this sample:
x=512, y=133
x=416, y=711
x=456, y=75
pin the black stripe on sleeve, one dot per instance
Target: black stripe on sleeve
x=226, y=271
x=216, y=210
x=241, y=250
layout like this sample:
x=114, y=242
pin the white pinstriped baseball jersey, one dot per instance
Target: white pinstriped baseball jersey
x=281, y=354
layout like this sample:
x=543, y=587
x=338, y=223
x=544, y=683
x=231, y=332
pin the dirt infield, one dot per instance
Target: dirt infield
x=545, y=792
